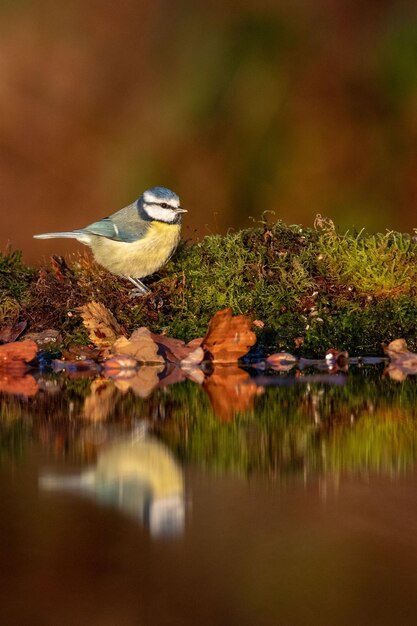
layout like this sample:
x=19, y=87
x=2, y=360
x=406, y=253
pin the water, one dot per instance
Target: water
x=231, y=502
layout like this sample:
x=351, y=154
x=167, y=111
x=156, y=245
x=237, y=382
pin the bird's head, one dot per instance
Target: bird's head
x=161, y=204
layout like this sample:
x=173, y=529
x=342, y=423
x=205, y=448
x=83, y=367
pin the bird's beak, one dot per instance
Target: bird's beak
x=180, y=210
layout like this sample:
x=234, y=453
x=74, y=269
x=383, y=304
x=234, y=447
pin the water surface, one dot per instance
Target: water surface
x=225, y=503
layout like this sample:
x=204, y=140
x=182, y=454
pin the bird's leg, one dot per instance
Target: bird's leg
x=141, y=289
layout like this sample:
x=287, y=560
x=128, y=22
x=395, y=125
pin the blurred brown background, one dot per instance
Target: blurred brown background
x=290, y=105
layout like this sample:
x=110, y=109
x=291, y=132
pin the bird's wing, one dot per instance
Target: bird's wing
x=125, y=225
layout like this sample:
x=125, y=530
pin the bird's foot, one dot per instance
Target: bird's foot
x=140, y=288
x=138, y=293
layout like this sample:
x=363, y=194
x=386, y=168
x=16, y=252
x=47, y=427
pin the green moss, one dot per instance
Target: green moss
x=348, y=291
x=15, y=279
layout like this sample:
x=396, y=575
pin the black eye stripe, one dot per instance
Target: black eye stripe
x=163, y=205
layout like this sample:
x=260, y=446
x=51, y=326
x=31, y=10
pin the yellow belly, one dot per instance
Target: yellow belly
x=139, y=258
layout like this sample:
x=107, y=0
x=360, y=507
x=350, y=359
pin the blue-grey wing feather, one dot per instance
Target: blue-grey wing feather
x=124, y=225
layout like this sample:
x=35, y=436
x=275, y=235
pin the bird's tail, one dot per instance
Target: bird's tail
x=70, y=234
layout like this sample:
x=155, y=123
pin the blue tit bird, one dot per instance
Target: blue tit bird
x=137, y=240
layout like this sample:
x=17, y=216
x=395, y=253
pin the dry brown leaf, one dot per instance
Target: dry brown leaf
x=230, y=390
x=228, y=338
x=397, y=349
x=195, y=343
x=18, y=385
x=140, y=345
x=60, y=268
x=11, y=333
x=46, y=337
x=172, y=349
x=281, y=361
x=119, y=363
x=17, y=351
x=102, y=326
x=78, y=352
x=101, y=401
x=142, y=382
x=402, y=361
x=337, y=361
x=194, y=358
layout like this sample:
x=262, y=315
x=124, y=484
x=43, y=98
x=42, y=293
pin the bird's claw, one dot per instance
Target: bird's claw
x=138, y=293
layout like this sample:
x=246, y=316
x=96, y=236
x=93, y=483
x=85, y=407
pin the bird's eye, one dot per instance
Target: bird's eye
x=164, y=205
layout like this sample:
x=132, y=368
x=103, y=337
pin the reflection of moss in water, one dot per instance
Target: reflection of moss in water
x=371, y=444
x=369, y=424
x=14, y=437
x=377, y=443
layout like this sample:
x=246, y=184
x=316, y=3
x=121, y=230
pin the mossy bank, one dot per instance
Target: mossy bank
x=313, y=288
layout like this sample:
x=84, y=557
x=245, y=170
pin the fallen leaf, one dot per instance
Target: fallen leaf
x=58, y=267
x=46, y=337
x=120, y=362
x=336, y=360
x=231, y=391
x=195, y=343
x=258, y=323
x=172, y=349
x=11, y=333
x=228, y=338
x=102, y=326
x=397, y=349
x=281, y=361
x=17, y=351
x=101, y=401
x=298, y=342
x=18, y=385
x=80, y=352
x=402, y=362
x=140, y=345
x=194, y=358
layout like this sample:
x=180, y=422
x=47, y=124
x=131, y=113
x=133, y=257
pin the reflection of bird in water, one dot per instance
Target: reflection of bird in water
x=140, y=477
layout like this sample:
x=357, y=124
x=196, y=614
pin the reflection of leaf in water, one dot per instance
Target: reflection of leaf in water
x=230, y=390
x=18, y=385
x=228, y=338
x=101, y=401
x=140, y=345
x=142, y=382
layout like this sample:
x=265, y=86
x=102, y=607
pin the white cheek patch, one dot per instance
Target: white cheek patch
x=158, y=213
